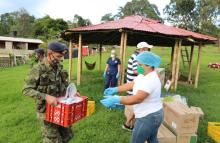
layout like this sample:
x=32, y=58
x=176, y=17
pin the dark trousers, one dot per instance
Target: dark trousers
x=111, y=80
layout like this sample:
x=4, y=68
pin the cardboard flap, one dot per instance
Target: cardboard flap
x=197, y=110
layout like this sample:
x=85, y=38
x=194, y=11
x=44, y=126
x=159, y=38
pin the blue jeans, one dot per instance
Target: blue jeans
x=145, y=128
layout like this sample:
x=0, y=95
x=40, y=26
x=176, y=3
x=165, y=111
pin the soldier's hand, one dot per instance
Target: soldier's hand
x=51, y=100
x=77, y=94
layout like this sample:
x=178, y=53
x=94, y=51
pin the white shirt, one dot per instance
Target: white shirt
x=151, y=84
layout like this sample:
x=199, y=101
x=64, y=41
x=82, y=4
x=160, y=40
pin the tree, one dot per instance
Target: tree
x=195, y=15
x=27, y=26
x=23, y=23
x=209, y=16
x=7, y=20
x=19, y=21
x=47, y=28
x=183, y=13
x=107, y=17
x=78, y=21
x=139, y=7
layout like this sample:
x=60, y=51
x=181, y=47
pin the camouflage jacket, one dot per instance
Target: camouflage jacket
x=44, y=79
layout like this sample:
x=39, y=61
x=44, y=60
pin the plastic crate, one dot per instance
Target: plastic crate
x=66, y=114
x=214, y=131
x=90, y=108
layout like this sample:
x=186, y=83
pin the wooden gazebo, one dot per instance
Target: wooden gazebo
x=133, y=29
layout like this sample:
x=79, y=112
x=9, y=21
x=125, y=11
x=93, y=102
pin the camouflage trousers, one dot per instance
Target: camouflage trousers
x=53, y=133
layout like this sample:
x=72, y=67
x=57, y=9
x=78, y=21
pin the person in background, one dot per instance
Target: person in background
x=131, y=75
x=112, y=70
x=146, y=100
x=46, y=81
x=39, y=55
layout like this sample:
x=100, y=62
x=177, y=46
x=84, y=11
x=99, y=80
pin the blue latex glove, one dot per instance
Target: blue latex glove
x=117, y=76
x=110, y=91
x=111, y=101
x=104, y=74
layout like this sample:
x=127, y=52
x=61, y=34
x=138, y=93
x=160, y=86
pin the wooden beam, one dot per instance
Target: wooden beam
x=219, y=45
x=198, y=65
x=171, y=62
x=177, y=64
x=100, y=57
x=79, y=66
x=190, y=64
x=124, y=58
x=121, y=55
x=70, y=60
x=174, y=64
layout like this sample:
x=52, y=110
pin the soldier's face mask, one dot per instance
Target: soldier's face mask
x=37, y=57
x=56, y=59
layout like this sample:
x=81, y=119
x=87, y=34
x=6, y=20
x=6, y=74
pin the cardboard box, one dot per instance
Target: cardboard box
x=197, y=110
x=165, y=135
x=179, y=118
x=161, y=74
x=186, y=138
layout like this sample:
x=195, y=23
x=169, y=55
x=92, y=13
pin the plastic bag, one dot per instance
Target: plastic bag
x=181, y=99
x=70, y=96
x=71, y=91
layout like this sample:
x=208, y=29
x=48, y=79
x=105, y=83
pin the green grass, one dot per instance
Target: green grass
x=18, y=122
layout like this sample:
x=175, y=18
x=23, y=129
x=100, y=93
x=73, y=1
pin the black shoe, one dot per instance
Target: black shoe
x=128, y=128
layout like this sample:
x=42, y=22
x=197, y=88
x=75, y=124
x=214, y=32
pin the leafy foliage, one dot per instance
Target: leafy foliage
x=78, y=21
x=196, y=15
x=45, y=28
x=107, y=17
x=135, y=7
x=48, y=28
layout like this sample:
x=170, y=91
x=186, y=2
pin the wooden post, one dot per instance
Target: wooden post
x=219, y=45
x=171, y=62
x=100, y=57
x=79, y=66
x=174, y=64
x=190, y=64
x=121, y=55
x=70, y=60
x=198, y=65
x=177, y=64
x=124, y=57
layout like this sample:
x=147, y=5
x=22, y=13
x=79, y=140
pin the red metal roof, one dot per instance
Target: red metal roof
x=139, y=23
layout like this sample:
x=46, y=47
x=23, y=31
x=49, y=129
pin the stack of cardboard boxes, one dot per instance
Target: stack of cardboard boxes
x=180, y=123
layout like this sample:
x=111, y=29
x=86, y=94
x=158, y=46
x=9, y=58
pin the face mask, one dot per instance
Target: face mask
x=140, y=69
x=56, y=61
x=113, y=55
x=62, y=59
x=36, y=59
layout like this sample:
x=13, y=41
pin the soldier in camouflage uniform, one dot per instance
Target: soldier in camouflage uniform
x=39, y=55
x=45, y=82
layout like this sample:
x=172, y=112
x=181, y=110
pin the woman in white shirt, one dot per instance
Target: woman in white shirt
x=145, y=100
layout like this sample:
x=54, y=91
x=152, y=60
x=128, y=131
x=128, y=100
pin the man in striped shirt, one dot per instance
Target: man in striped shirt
x=131, y=74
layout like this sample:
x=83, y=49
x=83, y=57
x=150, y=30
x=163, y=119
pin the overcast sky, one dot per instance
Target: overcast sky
x=66, y=9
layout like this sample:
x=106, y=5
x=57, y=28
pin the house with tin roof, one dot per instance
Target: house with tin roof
x=19, y=48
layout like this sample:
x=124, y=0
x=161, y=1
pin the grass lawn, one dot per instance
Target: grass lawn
x=18, y=122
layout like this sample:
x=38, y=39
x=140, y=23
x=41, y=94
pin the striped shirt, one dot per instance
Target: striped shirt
x=132, y=66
